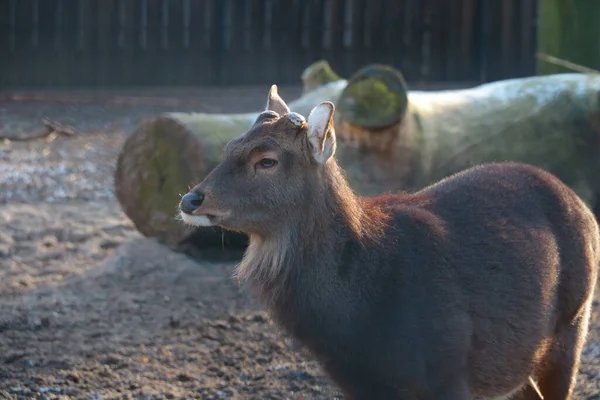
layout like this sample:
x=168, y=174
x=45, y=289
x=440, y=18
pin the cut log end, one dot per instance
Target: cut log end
x=376, y=97
x=159, y=161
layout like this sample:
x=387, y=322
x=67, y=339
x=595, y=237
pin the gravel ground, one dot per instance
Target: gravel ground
x=92, y=310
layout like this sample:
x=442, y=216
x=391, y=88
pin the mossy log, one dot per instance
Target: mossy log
x=316, y=75
x=550, y=121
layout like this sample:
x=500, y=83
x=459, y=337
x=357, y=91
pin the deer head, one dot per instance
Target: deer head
x=266, y=174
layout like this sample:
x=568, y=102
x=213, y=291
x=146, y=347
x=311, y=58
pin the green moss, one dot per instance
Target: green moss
x=375, y=97
x=318, y=74
x=165, y=179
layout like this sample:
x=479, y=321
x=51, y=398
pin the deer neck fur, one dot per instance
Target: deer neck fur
x=311, y=241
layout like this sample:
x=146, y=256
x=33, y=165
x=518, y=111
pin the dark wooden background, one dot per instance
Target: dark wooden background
x=233, y=42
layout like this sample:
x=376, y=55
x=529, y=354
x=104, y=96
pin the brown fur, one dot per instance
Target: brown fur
x=467, y=288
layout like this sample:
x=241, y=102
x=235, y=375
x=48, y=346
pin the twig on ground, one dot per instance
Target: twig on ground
x=52, y=131
x=55, y=129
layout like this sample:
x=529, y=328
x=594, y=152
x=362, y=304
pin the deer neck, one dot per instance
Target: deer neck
x=312, y=240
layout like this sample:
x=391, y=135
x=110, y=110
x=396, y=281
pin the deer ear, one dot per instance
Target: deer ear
x=276, y=103
x=321, y=133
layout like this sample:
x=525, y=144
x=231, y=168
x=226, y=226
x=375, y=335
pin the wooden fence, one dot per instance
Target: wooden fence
x=227, y=42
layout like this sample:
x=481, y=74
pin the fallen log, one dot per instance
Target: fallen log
x=549, y=121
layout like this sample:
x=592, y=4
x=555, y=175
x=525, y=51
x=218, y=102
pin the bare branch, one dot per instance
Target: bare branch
x=566, y=64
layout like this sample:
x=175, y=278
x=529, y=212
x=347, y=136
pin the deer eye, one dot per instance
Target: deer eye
x=267, y=163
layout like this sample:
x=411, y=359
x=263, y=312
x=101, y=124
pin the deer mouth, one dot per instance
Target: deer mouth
x=203, y=218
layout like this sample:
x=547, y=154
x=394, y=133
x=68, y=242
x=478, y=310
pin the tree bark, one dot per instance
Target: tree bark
x=568, y=30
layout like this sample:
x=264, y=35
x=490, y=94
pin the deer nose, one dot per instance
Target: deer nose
x=190, y=202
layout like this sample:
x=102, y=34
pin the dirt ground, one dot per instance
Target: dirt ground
x=89, y=309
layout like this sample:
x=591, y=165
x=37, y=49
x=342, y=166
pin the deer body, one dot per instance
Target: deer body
x=463, y=290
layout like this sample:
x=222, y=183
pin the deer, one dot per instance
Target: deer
x=479, y=286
